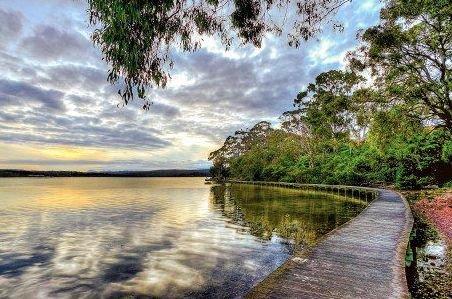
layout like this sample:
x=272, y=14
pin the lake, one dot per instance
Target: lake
x=153, y=237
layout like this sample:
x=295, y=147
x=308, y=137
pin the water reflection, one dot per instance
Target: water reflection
x=151, y=237
x=298, y=216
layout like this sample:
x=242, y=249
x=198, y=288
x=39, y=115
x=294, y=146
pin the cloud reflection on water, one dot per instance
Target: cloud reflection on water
x=113, y=236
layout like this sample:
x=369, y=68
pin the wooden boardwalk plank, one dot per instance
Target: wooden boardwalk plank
x=362, y=259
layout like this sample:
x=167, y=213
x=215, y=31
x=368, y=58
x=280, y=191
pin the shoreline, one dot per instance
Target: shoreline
x=429, y=263
x=13, y=173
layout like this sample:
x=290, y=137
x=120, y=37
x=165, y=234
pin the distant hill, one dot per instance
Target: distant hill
x=150, y=173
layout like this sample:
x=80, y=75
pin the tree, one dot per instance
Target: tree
x=269, y=159
x=292, y=122
x=137, y=37
x=238, y=144
x=326, y=105
x=410, y=57
x=387, y=129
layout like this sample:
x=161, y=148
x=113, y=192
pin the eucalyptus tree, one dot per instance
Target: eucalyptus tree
x=409, y=55
x=292, y=122
x=137, y=38
x=236, y=145
x=327, y=107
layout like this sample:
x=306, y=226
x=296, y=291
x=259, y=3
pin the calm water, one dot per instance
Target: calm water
x=164, y=237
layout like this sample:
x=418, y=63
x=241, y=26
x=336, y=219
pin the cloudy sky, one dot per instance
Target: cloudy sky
x=58, y=111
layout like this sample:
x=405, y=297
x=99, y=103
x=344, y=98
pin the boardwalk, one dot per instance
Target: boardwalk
x=362, y=259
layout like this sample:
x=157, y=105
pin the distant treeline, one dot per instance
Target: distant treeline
x=152, y=173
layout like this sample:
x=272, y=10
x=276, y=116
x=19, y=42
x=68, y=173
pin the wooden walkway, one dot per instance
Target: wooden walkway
x=364, y=258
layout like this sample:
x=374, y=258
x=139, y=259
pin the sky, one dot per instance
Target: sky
x=59, y=113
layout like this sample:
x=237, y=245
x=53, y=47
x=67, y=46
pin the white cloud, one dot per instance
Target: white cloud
x=62, y=98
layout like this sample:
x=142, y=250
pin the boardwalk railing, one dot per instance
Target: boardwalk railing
x=366, y=193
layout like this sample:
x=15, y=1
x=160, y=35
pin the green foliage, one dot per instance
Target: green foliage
x=446, y=154
x=419, y=159
x=386, y=125
x=408, y=159
x=327, y=106
x=269, y=159
x=409, y=56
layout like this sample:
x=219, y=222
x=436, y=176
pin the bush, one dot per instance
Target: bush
x=409, y=161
